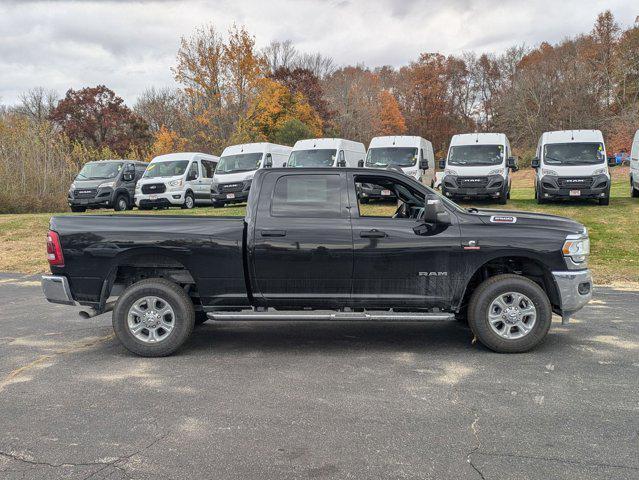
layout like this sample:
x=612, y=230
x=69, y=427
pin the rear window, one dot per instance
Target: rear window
x=316, y=196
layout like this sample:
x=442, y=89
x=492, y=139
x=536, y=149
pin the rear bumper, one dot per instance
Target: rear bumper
x=56, y=289
x=452, y=185
x=575, y=291
x=550, y=187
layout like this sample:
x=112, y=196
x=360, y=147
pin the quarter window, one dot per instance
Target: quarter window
x=208, y=168
x=310, y=196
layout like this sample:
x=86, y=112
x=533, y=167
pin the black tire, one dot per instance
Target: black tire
x=189, y=201
x=200, y=318
x=481, y=301
x=78, y=209
x=217, y=204
x=634, y=193
x=503, y=198
x=168, y=292
x=364, y=200
x=538, y=196
x=605, y=200
x=145, y=208
x=121, y=203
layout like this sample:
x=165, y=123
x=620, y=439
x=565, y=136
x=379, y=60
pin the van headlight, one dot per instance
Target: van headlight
x=450, y=171
x=496, y=171
x=107, y=185
x=577, y=249
x=175, y=184
x=547, y=171
x=599, y=171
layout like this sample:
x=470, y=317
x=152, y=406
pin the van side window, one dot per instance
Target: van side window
x=194, y=171
x=308, y=196
x=208, y=168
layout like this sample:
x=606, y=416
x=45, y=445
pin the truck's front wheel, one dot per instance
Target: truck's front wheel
x=153, y=317
x=509, y=313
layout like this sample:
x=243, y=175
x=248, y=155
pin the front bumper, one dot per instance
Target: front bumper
x=56, y=289
x=575, y=291
x=582, y=187
x=159, y=199
x=237, y=197
x=487, y=186
x=103, y=198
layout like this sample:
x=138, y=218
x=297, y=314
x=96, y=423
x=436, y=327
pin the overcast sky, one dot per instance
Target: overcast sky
x=129, y=45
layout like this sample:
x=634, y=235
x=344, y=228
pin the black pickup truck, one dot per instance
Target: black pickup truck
x=309, y=250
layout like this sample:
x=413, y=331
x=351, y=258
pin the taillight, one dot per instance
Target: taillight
x=54, y=250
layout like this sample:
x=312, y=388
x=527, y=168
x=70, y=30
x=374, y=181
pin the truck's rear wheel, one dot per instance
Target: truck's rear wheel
x=509, y=313
x=153, y=317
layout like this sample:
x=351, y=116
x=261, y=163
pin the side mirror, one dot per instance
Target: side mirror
x=511, y=162
x=435, y=212
x=360, y=164
x=423, y=164
x=442, y=164
x=534, y=163
x=268, y=161
x=284, y=164
x=612, y=161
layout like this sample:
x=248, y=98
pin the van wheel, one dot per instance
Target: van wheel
x=217, y=204
x=78, y=209
x=189, y=201
x=634, y=193
x=121, y=203
x=509, y=313
x=153, y=317
x=605, y=200
x=503, y=198
x=538, y=196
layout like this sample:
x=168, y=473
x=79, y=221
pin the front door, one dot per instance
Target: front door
x=396, y=263
x=302, y=253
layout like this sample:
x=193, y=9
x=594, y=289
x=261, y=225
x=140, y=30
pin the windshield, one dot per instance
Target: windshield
x=476, y=155
x=312, y=158
x=99, y=170
x=573, y=153
x=383, y=157
x=171, y=168
x=242, y=162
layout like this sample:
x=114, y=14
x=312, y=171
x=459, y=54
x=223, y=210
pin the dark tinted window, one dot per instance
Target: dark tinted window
x=209, y=168
x=307, y=196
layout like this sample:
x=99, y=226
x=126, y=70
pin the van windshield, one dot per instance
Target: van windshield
x=242, y=162
x=312, y=158
x=383, y=157
x=474, y=155
x=169, y=168
x=573, y=153
x=99, y=170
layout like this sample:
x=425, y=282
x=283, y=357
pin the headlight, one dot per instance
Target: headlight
x=450, y=171
x=600, y=171
x=496, y=171
x=577, y=247
x=175, y=183
x=106, y=185
x=547, y=171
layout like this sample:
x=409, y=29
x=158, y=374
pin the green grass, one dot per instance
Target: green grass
x=614, y=229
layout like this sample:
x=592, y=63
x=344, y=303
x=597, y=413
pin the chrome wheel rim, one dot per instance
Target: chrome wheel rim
x=512, y=315
x=122, y=204
x=189, y=201
x=151, y=319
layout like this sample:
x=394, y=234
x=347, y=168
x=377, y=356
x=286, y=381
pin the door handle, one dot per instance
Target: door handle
x=273, y=233
x=374, y=233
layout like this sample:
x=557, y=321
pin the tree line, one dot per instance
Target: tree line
x=228, y=91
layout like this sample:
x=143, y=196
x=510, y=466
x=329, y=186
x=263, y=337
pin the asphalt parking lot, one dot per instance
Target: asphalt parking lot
x=308, y=400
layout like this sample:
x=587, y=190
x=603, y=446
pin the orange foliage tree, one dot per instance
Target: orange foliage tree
x=390, y=120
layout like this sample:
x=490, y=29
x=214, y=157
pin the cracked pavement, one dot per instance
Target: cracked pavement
x=308, y=400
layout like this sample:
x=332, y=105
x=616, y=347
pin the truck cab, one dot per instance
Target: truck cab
x=176, y=180
x=571, y=164
x=237, y=167
x=326, y=152
x=105, y=184
x=478, y=165
x=411, y=155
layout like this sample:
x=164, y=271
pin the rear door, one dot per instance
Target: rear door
x=208, y=169
x=302, y=251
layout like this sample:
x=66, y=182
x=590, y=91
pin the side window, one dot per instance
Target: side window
x=341, y=159
x=308, y=196
x=208, y=168
x=194, y=171
x=387, y=198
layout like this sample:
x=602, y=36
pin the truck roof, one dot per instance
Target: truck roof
x=397, y=141
x=183, y=156
x=324, y=143
x=256, y=147
x=564, y=136
x=478, y=138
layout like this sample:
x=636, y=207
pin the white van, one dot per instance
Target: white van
x=634, y=166
x=326, y=152
x=176, y=180
x=412, y=155
x=478, y=165
x=237, y=167
x=571, y=164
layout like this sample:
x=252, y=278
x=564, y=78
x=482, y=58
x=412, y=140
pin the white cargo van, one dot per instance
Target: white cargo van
x=176, y=180
x=237, y=167
x=571, y=164
x=478, y=165
x=634, y=166
x=326, y=152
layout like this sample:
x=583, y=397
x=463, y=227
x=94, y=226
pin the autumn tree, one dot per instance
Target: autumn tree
x=37, y=103
x=390, y=120
x=167, y=141
x=293, y=130
x=97, y=117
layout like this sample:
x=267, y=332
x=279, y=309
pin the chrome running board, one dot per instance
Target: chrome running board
x=324, y=316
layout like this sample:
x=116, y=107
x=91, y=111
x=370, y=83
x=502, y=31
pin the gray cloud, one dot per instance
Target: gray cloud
x=129, y=45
